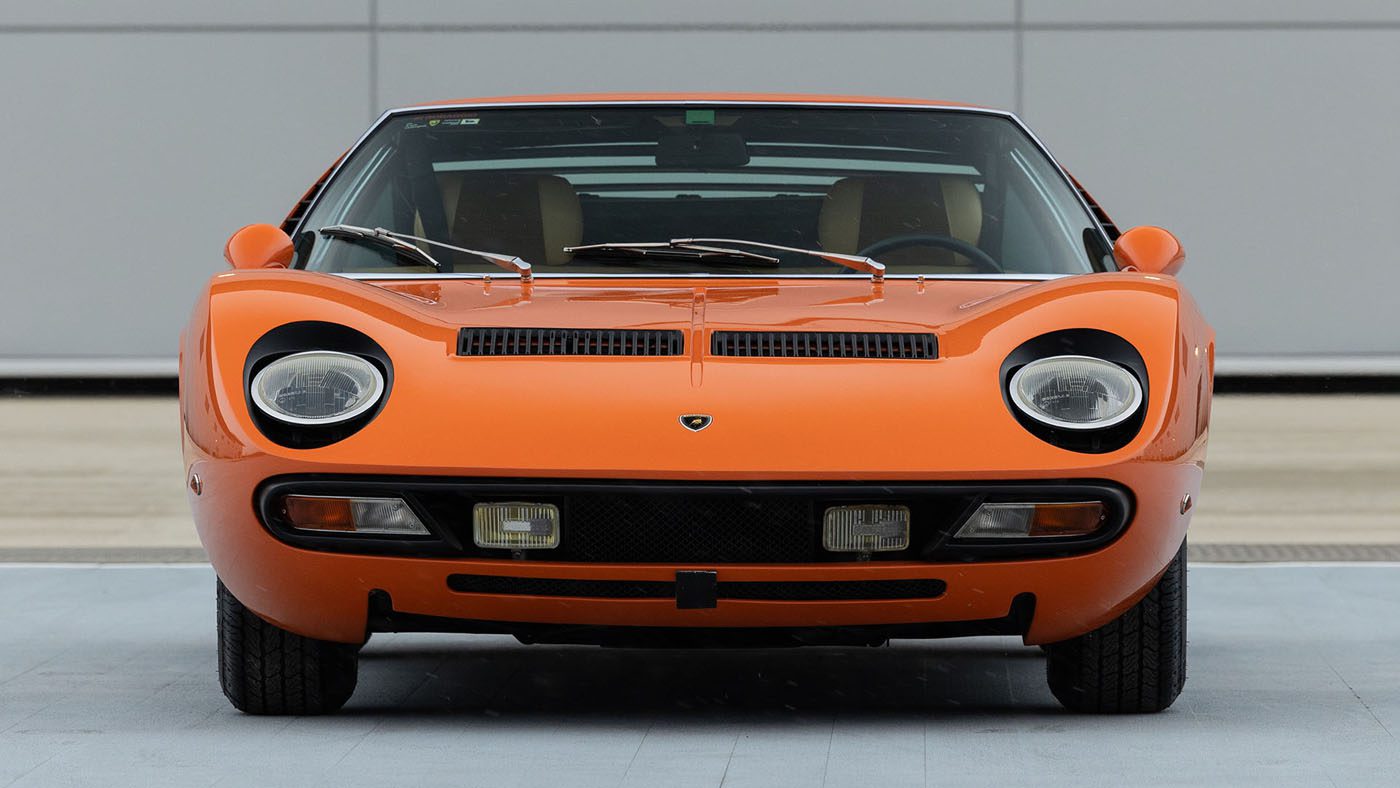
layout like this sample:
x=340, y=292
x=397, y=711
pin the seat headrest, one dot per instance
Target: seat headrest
x=531, y=216
x=859, y=211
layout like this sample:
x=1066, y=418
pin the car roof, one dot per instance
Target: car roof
x=715, y=98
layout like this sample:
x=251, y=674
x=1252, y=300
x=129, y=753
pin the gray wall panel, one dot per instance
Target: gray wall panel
x=688, y=12
x=1260, y=130
x=426, y=67
x=1271, y=160
x=128, y=166
x=1207, y=12
x=182, y=12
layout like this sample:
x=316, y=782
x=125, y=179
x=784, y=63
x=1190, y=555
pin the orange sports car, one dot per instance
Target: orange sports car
x=691, y=370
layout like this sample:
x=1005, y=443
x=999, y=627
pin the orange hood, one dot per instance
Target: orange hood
x=773, y=418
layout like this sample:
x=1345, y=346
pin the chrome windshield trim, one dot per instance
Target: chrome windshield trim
x=389, y=114
x=851, y=277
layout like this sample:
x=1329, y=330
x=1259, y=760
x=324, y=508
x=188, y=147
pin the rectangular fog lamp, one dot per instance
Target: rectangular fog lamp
x=516, y=526
x=344, y=514
x=865, y=529
x=1033, y=520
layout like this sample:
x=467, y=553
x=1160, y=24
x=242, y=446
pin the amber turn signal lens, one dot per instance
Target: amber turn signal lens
x=1066, y=519
x=318, y=514
x=1033, y=520
x=385, y=516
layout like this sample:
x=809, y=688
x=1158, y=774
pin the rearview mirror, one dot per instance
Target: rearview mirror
x=259, y=246
x=1150, y=250
x=714, y=150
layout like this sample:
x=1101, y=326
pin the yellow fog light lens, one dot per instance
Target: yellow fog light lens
x=865, y=529
x=374, y=516
x=516, y=526
x=1035, y=520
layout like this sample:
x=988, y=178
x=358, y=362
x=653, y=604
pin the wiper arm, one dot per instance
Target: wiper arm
x=852, y=261
x=702, y=248
x=670, y=249
x=381, y=237
x=399, y=242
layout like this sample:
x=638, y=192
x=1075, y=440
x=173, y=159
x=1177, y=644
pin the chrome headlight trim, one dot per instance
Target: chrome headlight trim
x=370, y=401
x=1134, y=405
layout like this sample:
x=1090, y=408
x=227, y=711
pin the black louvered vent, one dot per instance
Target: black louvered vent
x=568, y=342
x=823, y=344
x=299, y=210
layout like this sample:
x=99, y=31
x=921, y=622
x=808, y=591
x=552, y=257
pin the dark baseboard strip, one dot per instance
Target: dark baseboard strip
x=1307, y=384
x=89, y=387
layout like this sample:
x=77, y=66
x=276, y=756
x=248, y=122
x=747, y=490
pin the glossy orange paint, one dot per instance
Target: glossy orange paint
x=259, y=246
x=1150, y=250
x=616, y=418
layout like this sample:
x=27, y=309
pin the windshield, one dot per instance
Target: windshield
x=924, y=192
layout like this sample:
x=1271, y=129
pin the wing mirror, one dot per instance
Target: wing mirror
x=259, y=246
x=1150, y=250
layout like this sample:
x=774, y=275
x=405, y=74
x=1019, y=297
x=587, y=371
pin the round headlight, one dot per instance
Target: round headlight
x=1076, y=392
x=317, y=387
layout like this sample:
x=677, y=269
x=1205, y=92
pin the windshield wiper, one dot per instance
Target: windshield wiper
x=853, y=261
x=399, y=242
x=702, y=247
x=670, y=250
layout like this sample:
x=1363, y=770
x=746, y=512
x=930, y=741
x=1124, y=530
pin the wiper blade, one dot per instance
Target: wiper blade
x=852, y=261
x=670, y=250
x=399, y=242
x=703, y=247
x=380, y=237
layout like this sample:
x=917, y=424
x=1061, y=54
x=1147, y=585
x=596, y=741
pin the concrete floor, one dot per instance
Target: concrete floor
x=105, y=473
x=107, y=677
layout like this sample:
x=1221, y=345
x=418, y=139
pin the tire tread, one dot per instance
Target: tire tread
x=1133, y=664
x=265, y=669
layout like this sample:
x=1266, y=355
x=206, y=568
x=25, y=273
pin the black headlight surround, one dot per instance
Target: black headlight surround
x=1079, y=342
x=302, y=336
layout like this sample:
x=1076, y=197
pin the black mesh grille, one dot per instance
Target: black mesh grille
x=552, y=586
x=834, y=589
x=823, y=344
x=690, y=529
x=568, y=342
x=796, y=590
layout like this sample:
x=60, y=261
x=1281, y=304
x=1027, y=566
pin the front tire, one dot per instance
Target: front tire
x=265, y=669
x=1133, y=664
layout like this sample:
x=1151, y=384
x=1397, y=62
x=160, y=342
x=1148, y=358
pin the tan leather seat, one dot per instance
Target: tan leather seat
x=531, y=216
x=859, y=211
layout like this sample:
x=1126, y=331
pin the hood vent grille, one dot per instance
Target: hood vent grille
x=568, y=342
x=823, y=344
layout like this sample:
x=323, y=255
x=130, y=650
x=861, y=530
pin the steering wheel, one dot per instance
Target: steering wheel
x=979, y=258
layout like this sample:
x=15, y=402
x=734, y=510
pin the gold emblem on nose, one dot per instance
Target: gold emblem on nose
x=695, y=421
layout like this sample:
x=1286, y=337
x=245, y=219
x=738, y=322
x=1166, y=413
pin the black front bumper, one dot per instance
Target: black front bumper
x=698, y=523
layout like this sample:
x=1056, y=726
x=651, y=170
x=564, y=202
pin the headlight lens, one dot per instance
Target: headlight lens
x=1076, y=392
x=317, y=387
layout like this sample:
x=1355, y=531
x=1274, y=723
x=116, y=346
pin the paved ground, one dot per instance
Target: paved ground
x=103, y=472
x=107, y=677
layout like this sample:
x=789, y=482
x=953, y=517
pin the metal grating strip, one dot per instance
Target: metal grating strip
x=824, y=344
x=568, y=342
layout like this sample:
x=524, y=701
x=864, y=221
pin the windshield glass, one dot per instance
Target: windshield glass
x=925, y=192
